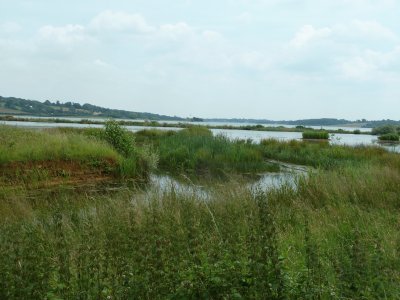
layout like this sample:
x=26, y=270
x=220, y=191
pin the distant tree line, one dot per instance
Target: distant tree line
x=58, y=109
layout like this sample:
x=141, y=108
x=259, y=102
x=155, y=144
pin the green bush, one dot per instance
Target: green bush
x=385, y=129
x=120, y=138
x=392, y=137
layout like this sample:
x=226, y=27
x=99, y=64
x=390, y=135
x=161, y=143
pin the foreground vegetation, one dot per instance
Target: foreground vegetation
x=334, y=234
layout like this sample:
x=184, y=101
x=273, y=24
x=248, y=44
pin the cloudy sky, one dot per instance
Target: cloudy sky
x=272, y=59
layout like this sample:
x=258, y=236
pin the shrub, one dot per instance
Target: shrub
x=394, y=137
x=120, y=138
x=384, y=129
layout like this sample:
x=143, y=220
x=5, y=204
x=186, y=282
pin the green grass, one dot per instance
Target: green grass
x=336, y=236
x=195, y=151
x=35, y=155
x=316, y=135
x=323, y=155
x=24, y=145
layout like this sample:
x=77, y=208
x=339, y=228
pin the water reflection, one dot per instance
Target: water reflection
x=160, y=184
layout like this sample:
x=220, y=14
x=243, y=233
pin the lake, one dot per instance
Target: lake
x=256, y=136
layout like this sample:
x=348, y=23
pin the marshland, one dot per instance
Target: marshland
x=81, y=216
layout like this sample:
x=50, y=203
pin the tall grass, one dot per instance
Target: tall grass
x=23, y=145
x=36, y=155
x=323, y=155
x=334, y=236
x=195, y=151
x=316, y=135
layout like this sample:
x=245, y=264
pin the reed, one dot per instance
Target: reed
x=335, y=235
x=195, y=151
x=315, y=135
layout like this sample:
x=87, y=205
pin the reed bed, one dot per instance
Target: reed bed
x=334, y=234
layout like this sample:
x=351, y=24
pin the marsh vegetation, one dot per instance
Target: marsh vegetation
x=316, y=135
x=333, y=234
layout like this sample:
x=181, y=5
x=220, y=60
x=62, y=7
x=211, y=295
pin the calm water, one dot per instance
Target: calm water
x=210, y=123
x=256, y=136
x=165, y=184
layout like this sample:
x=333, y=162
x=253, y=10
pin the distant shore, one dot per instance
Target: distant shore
x=145, y=123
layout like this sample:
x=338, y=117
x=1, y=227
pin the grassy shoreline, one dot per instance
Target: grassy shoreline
x=53, y=156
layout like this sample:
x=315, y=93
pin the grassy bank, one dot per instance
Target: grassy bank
x=33, y=156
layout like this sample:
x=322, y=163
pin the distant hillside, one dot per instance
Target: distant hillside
x=305, y=122
x=17, y=106
x=314, y=122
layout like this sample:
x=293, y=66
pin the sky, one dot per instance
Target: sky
x=267, y=59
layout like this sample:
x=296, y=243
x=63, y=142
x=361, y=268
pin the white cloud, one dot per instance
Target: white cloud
x=373, y=29
x=352, y=32
x=175, y=30
x=372, y=65
x=307, y=34
x=357, y=68
x=65, y=35
x=120, y=21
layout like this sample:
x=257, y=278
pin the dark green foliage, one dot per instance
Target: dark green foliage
x=316, y=135
x=57, y=109
x=386, y=129
x=392, y=137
